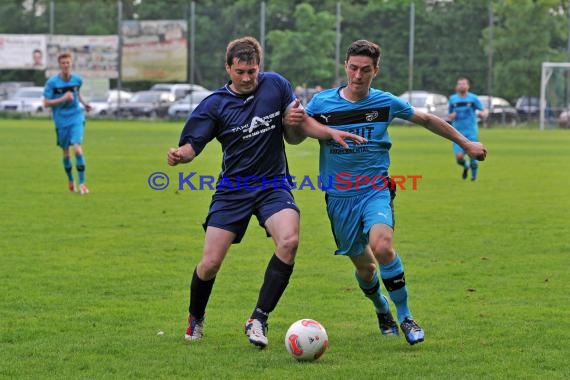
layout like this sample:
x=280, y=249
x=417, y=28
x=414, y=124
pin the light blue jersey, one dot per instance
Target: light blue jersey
x=465, y=108
x=344, y=171
x=69, y=113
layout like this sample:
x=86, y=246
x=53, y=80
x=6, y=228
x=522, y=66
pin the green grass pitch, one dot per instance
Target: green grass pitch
x=88, y=282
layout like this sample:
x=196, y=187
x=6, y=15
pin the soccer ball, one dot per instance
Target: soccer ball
x=306, y=340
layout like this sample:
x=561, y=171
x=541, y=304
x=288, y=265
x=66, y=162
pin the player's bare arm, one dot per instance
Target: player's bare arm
x=294, y=117
x=182, y=155
x=442, y=128
x=85, y=103
x=299, y=125
x=484, y=113
x=68, y=96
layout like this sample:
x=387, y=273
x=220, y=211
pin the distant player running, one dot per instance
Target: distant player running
x=362, y=217
x=61, y=93
x=463, y=107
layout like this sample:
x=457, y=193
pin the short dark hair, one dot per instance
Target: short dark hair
x=365, y=48
x=462, y=77
x=245, y=49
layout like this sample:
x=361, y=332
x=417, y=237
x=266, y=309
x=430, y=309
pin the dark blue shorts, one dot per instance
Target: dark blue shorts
x=232, y=210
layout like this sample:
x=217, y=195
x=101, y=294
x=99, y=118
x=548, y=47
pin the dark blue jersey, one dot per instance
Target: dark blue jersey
x=249, y=127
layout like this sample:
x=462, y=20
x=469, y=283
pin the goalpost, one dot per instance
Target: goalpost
x=554, y=91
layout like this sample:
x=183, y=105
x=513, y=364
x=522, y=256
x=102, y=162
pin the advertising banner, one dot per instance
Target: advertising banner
x=22, y=51
x=154, y=50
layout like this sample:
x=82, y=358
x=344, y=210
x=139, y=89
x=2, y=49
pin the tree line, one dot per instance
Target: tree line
x=498, y=44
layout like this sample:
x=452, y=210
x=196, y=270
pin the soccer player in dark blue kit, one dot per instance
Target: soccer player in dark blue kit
x=246, y=116
x=362, y=217
x=61, y=93
x=463, y=108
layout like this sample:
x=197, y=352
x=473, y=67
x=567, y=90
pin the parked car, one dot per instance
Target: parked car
x=528, y=107
x=179, y=90
x=7, y=89
x=500, y=110
x=107, y=105
x=182, y=108
x=29, y=100
x=148, y=104
x=429, y=102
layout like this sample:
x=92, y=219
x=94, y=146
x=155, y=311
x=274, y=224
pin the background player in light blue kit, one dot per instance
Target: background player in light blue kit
x=362, y=217
x=61, y=93
x=463, y=107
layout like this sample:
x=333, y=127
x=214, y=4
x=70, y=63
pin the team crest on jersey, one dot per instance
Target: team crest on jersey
x=371, y=115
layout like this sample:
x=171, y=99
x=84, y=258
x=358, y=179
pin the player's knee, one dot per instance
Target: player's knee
x=288, y=243
x=383, y=251
x=210, y=266
x=367, y=271
x=381, y=246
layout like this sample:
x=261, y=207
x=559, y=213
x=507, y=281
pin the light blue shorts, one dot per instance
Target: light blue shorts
x=352, y=218
x=471, y=136
x=70, y=135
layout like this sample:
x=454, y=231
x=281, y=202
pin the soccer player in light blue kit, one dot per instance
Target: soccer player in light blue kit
x=61, y=93
x=463, y=107
x=361, y=210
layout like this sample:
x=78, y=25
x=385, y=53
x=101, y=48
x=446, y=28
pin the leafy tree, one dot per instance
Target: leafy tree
x=19, y=19
x=387, y=24
x=522, y=41
x=448, y=45
x=305, y=55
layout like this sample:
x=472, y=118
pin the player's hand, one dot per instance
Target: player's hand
x=182, y=155
x=476, y=150
x=174, y=157
x=340, y=136
x=295, y=115
x=88, y=107
x=68, y=96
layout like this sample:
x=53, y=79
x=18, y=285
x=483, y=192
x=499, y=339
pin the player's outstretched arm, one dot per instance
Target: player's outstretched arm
x=299, y=125
x=442, y=128
x=182, y=155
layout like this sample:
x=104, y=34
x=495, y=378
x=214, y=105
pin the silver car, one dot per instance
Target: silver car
x=107, y=105
x=500, y=111
x=183, y=107
x=28, y=100
x=429, y=102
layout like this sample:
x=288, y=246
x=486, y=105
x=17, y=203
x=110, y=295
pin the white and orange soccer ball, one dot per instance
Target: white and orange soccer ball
x=306, y=340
